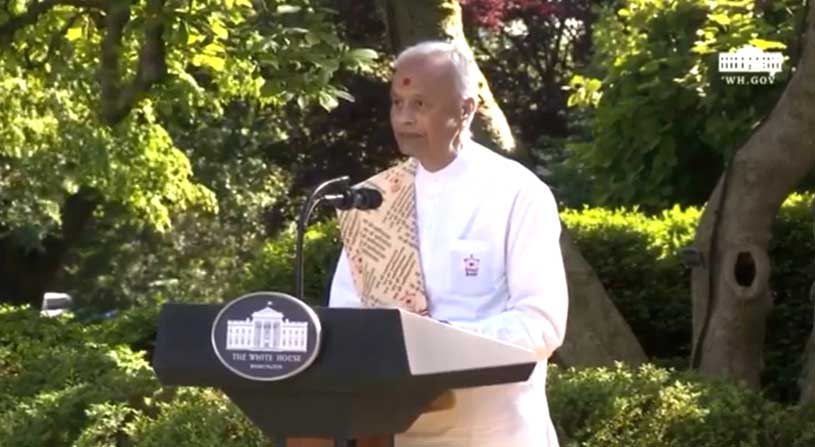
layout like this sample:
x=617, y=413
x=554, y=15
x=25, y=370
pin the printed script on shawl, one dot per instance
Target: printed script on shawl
x=382, y=244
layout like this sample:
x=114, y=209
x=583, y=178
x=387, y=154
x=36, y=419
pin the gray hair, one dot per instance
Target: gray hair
x=462, y=60
x=464, y=68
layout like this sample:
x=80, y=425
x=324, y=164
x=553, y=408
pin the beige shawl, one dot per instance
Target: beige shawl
x=383, y=245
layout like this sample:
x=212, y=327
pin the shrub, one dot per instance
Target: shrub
x=650, y=406
x=273, y=268
x=792, y=250
x=52, y=372
x=62, y=385
x=635, y=256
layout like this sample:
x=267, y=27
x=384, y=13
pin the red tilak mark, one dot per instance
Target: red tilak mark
x=405, y=81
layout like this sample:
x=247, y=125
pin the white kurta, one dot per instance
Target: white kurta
x=488, y=242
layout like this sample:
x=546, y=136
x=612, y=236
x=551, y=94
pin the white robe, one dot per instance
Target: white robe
x=487, y=208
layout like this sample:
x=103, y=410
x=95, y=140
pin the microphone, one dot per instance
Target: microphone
x=355, y=198
x=350, y=198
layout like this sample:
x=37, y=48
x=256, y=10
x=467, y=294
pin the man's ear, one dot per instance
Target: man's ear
x=467, y=108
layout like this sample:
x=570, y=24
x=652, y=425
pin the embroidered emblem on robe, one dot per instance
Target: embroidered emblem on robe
x=471, y=266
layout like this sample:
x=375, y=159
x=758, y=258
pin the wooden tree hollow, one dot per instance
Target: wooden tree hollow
x=746, y=271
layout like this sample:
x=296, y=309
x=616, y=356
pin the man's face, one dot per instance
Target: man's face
x=426, y=110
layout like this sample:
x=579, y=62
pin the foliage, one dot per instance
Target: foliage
x=64, y=383
x=649, y=406
x=81, y=119
x=273, y=269
x=635, y=256
x=528, y=50
x=665, y=118
x=53, y=371
x=53, y=145
x=57, y=135
x=791, y=321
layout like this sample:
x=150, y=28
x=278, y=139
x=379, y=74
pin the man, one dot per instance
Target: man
x=489, y=256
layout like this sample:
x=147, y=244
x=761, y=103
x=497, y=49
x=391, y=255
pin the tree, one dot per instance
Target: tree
x=98, y=96
x=664, y=120
x=731, y=292
x=596, y=333
x=531, y=49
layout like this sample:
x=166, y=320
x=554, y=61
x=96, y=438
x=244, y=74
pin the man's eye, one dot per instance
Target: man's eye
x=396, y=102
x=419, y=103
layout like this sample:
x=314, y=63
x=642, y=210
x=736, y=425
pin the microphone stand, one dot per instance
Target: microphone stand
x=302, y=221
x=308, y=207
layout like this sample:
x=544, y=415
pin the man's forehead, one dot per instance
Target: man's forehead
x=422, y=71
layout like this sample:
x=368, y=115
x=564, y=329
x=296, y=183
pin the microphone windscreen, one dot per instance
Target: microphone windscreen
x=369, y=198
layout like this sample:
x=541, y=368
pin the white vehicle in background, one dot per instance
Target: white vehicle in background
x=55, y=303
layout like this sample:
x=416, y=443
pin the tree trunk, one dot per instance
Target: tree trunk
x=730, y=287
x=596, y=333
x=26, y=273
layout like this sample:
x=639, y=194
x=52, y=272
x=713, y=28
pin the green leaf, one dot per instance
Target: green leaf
x=767, y=44
x=327, y=101
x=74, y=33
x=302, y=102
x=270, y=89
x=363, y=55
x=288, y=9
x=217, y=63
x=721, y=19
x=217, y=27
x=342, y=94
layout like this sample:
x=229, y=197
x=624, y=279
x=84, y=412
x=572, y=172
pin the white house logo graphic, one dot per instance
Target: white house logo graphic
x=266, y=336
x=267, y=330
x=750, y=59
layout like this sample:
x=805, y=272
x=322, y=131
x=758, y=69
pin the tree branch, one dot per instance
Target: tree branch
x=117, y=101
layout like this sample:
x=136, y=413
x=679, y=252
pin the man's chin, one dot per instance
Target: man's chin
x=408, y=149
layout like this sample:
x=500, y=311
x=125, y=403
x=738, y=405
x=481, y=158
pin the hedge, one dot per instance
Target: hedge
x=635, y=256
x=656, y=407
x=64, y=383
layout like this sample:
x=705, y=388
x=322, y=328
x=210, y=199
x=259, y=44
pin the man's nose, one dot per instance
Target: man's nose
x=405, y=116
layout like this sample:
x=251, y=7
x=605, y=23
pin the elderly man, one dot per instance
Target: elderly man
x=487, y=233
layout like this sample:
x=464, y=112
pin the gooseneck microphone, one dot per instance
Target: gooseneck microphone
x=346, y=198
x=355, y=198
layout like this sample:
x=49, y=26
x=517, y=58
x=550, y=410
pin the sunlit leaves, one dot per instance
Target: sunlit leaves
x=585, y=91
x=288, y=9
x=53, y=143
x=763, y=44
x=665, y=121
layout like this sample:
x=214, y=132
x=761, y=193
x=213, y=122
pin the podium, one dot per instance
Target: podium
x=376, y=372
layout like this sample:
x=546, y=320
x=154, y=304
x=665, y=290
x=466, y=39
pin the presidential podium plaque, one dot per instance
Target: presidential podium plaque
x=346, y=374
